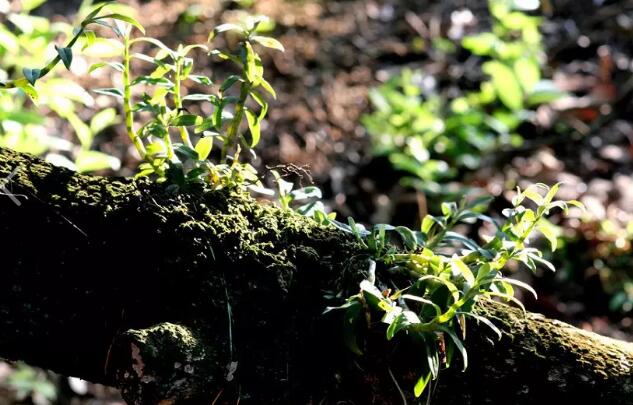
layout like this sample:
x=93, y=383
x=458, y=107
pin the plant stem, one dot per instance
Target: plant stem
x=237, y=119
x=184, y=135
x=127, y=98
x=440, y=235
x=12, y=83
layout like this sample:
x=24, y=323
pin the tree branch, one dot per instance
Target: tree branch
x=199, y=296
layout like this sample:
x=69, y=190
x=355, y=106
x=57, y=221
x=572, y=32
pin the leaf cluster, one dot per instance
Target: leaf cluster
x=447, y=275
x=432, y=136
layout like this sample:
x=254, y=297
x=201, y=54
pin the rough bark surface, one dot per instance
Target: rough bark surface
x=203, y=296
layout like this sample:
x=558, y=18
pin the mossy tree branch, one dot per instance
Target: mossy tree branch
x=213, y=295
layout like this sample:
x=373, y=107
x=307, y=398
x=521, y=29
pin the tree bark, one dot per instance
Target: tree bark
x=201, y=297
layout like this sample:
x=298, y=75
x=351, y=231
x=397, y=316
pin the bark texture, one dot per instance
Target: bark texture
x=199, y=297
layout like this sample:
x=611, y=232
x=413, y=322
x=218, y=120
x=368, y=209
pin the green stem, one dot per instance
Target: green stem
x=12, y=83
x=127, y=99
x=231, y=137
x=184, y=135
x=440, y=235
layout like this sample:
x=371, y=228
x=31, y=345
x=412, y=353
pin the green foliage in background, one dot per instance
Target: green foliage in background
x=605, y=248
x=25, y=40
x=27, y=383
x=434, y=136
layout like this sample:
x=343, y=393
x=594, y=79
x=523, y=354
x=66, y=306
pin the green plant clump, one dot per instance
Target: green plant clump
x=24, y=39
x=434, y=136
x=445, y=273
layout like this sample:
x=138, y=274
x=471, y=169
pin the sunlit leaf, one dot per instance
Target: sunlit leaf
x=268, y=42
x=114, y=92
x=203, y=147
x=505, y=83
x=125, y=18
x=529, y=73
x=253, y=126
x=90, y=160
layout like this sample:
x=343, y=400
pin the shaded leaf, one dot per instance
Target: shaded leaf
x=66, y=55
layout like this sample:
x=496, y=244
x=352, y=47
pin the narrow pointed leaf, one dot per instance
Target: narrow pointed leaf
x=253, y=126
x=268, y=42
x=125, y=18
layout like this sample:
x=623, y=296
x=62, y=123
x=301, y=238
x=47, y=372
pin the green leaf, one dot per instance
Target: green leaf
x=205, y=125
x=250, y=65
x=463, y=269
x=532, y=193
x=549, y=232
x=230, y=81
x=28, y=5
x=505, y=84
x=200, y=97
x=224, y=28
x=529, y=73
x=268, y=42
x=508, y=298
x=551, y=193
x=481, y=44
x=157, y=149
x=155, y=42
x=427, y=223
x=113, y=27
x=544, y=92
x=113, y=92
x=184, y=152
x=185, y=51
x=201, y=80
x=449, y=208
x=89, y=37
x=544, y=262
x=27, y=88
x=438, y=310
x=102, y=120
x=483, y=320
x=521, y=284
x=90, y=160
x=125, y=18
x=408, y=237
x=421, y=384
x=352, y=322
x=94, y=12
x=458, y=344
x=66, y=55
x=31, y=75
x=400, y=322
x=306, y=192
x=203, y=147
x=186, y=120
x=267, y=87
x=467, y=242
x=115, y=65
x=253, y=126
x=154, y=81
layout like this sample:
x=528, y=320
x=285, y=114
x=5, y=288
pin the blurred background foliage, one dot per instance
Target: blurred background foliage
x=392, y=106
